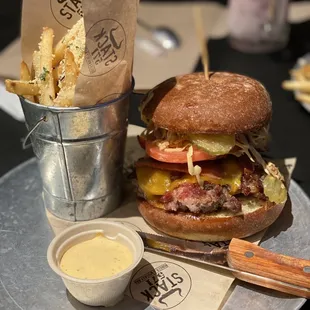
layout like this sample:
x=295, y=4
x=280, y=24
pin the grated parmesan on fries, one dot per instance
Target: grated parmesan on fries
x=54, y=70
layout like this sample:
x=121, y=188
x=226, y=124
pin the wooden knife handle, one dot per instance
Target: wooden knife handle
x=246, y=256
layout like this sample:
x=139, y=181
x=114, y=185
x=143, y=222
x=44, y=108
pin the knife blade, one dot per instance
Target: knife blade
x=201, y=251
x=244, y=260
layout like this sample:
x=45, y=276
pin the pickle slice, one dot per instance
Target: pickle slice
x=274, y=189
x=213, y=144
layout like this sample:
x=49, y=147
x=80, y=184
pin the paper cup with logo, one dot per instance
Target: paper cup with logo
x=100, y=292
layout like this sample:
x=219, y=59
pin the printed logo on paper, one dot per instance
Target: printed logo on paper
x=106, y=46
x=162, y=284
x=66, y=12
x=219, y=244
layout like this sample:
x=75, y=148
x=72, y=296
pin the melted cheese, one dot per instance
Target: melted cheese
x=155, y=182
x=96, y=258
x=232, y=175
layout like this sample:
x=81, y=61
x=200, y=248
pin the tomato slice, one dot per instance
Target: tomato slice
x=179, y=157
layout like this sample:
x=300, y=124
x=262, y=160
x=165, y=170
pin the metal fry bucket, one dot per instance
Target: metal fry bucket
x=80, y=153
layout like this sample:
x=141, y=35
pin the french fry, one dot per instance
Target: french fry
x=305, y=71
x=52, y=78
x=67, y=81
x=35, y=70
x=61, y=46
x=302, y=97
x=46, y=80
x=22, y=88
x=300, y=82
x=65, y=97
x=25, y=76
x=303, y=86
x=56, y=78
x=24, y=72
x=56, y=74
x=61, y=72
x=77, y=47
x=71, y=70
x=297, y=75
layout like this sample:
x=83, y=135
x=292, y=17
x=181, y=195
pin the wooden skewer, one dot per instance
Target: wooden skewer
x=202, y=39
x=271, y=10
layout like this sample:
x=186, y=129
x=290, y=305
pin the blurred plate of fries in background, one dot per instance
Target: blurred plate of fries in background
x=300, y=81
x=53, y=74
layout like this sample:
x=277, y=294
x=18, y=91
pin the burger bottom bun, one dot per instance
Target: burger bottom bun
x=220, y=226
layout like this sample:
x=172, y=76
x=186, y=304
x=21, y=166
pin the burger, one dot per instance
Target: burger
x=203, y=177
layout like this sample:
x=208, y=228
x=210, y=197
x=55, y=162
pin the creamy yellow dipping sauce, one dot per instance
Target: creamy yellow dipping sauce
x=97, y=258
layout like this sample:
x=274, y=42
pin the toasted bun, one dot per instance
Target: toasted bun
x=225, y=104
x=220, y=226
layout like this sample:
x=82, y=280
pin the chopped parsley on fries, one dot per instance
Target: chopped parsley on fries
x=54, y=70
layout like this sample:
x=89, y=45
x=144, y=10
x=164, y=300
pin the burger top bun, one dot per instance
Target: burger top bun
x=227, y=103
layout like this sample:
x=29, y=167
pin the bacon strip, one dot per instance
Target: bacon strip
x=208, y=167
x=212, y=167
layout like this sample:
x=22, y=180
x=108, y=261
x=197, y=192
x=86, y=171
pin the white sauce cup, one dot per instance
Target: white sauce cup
x=100, y=292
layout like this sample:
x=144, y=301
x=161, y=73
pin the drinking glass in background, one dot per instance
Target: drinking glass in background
x=258, y=26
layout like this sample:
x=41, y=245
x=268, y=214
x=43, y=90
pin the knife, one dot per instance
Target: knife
x=247, y=261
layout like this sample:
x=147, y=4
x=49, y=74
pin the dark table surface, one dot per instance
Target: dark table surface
x=290, y=127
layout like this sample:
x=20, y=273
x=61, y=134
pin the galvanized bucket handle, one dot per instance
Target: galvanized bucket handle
x=38, y=123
